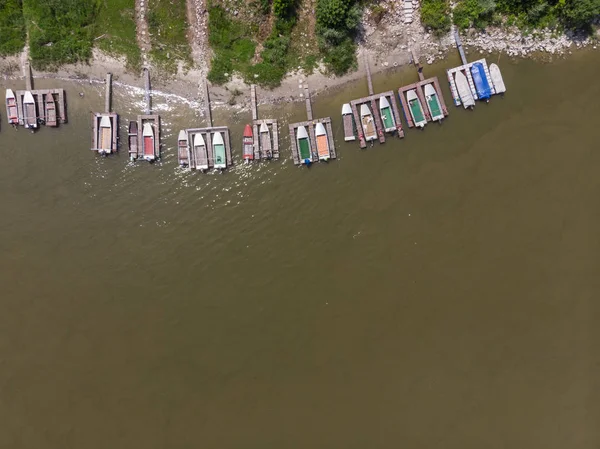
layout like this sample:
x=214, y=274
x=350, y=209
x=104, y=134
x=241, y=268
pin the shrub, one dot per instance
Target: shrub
x=435, y=15
x=12, y=27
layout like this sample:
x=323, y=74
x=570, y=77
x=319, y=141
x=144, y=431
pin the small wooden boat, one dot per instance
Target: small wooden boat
x=303, y=145
x=248, y=144
x=105, y=135
x=433, y=103
x=482, y=86
x=416, y=110
x=464, y=91
x=148, y=142
x=387, y=117
x=12, y=113
x=182, y=148
x=349, y=125
x=322, y=142
x=368, y=125
x=50, y=110
x=265, y=141
x=497, y=80
x=132, y=140
x=200, y=154
x=219, y=151
x=29, y=111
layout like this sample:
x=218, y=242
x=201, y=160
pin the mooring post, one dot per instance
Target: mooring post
x=147, y=94
x=108, y=95
x=368, y=69
x=309, y=113
x=208, y=111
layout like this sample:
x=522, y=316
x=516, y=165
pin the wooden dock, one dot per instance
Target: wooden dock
x=263, y=149
x=310, y=126
x=207, y=135
x=154, y=121
x=113, y=119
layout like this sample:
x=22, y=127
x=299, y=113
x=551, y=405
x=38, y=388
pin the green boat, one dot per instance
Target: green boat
x=304, y=145
x=416, y=110
x=389, y=124
x=433, y=103
x=219, y=151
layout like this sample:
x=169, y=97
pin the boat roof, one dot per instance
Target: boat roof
x=383, y=103
x=264, y=128
x=148, y=131
x=248, y=131
x=346, y=109
x=199, y=140
x=320, y=130
x=28, y=98
x=217, y=139
x=411, y=94
x=105, y=122
x=182, y=135
x=9, y=94
x=364, y=110
x=429, y=90
x=302, y=134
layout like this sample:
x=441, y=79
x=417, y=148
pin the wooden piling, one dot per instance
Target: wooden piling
x=361, y=132
x=461, y=51
x=147, y=96
x=28, y=76
x=108, y=93
x=309, y=113
x=417, y=64
x=368, y=70
x=208, y=110
x=379, y=126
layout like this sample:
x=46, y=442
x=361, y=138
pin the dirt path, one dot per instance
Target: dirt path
x=143, y=36
x=198, y=38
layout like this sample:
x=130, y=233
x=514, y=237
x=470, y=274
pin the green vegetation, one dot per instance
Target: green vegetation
x=116, y=21
x=435, y=15
x=60, y=31
x=12, y=27
x=167, y=25
x=337, y=24
x=527, y=14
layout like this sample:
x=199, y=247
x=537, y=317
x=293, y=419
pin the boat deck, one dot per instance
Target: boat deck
x=154, y=119
x=207, y=134
x=349, y=127
x=310, y=126
x=114, y=121
x=418, y=87
x=39, y=97
x=373, y=102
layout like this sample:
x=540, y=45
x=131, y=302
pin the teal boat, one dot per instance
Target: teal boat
x=303, y=145
x=416, y=110
x=389, y=124
x=433, y=103
x=219, y=151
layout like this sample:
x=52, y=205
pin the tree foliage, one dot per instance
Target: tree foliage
x=435, y=15
x=12, y=27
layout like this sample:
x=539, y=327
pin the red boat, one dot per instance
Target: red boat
x=248, y=143
x=11, y=108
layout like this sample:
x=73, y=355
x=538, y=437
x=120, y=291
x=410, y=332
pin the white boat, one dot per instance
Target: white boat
x=416, y=109
x=346, y=109
x=303, y=142
x=148, y=142
x=265, y=140
x=368, y=125
x=348, y=120
x=200, y=153
x=433, y=103
x=464, y=91
x=219, y=151
x=105, y=135
x=322, y=142
x=182, y=148
x=11, y=108
x=497, y=80
x=387, y=116
x=29, y=111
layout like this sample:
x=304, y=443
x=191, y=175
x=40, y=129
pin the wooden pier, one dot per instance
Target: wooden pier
x=419, y=89
x=113, y=119
x=263, y=149
x=310, y=126
x=147, y=118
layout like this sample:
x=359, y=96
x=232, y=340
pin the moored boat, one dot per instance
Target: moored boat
x=416, y=110
x=367, y=122
x=482, y=86
x=322, y=142
x=433, y=103
x=29, y=111
x=132, y=140
x=12, y=113
x=200, y=156
x=105, y=135
x=387, y=117
x=349, y=125
x=303, y=145
x=182, y=148
x=464, y=91
x=219, y=151
x=148, y=142
x=497, y=79
x=50, y=110
x=265, y=141
x=248, y=144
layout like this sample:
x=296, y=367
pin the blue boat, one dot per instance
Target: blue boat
x=484, y=91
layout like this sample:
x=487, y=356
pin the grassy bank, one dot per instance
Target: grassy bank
x=116, y=24
x=60, y=31
x=12, y=27
x=168, y=28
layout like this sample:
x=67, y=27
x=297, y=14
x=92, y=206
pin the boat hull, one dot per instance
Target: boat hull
x=497, y=79
x=464, y=91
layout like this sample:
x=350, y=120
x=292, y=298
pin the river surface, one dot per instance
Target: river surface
x=439, y=291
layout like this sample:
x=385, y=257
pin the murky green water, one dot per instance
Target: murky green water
x=439, y=291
